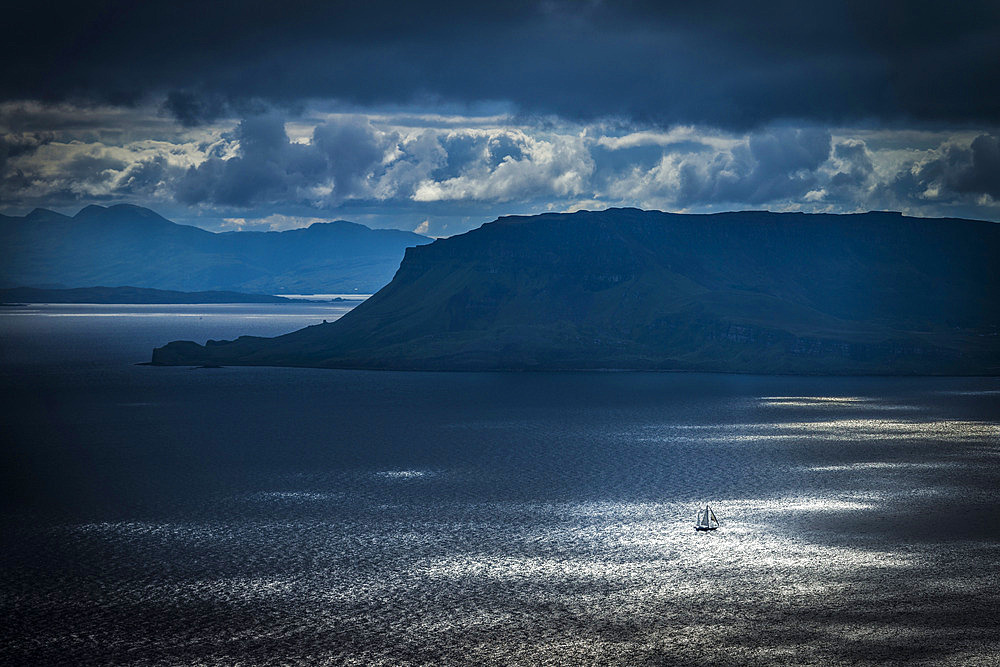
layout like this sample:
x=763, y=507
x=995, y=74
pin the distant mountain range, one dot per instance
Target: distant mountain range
x=130, y=295
x=748, y=292
x=130, y=245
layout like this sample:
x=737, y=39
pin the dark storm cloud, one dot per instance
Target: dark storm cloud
x=144, y=177
x=268, y=168
x=193, y=109
x=503, y=147
x=352, y=149
x=855, y=175
x=771, y=166
x=91, y=168
x=271, y=168
x=725, y=63
x=959, y=172
x=16, y=145
x=461, y=151
x=609, y=163
x=977, y=170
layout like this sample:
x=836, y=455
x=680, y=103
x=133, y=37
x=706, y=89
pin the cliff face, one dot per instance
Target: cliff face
x=753, y=292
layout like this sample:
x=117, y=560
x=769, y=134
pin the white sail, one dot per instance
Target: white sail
x=706, y=517
x=703, y=518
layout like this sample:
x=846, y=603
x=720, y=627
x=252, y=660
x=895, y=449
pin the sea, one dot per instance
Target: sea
x=276, y=516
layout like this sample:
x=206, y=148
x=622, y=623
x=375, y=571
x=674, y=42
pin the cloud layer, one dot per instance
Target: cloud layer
x=449, y=173
x=726, y=63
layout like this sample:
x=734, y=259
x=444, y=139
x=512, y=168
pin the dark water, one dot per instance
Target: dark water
x=276, y=516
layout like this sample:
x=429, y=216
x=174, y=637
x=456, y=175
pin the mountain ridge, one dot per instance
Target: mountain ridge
x=126, y=294
x=744, y=291
x=131, y=245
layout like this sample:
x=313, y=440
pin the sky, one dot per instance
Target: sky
x=440, y=116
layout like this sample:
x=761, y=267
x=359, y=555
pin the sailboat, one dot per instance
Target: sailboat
x=706, y=520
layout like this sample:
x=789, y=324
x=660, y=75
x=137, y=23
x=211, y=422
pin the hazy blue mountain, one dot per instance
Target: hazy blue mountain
x=129, y=245
x=129, y=295
x=751, y=291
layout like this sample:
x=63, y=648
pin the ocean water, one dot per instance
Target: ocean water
x=296, y=516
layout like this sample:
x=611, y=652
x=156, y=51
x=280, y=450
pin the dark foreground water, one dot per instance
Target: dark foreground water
x=278, y=516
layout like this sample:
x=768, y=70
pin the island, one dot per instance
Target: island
x=749, y=292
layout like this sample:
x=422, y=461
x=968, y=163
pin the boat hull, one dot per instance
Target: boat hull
x=705, y=527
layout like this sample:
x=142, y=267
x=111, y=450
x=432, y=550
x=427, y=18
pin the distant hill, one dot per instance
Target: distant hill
x=129, y=245
x=748, y=292
x=130, y=295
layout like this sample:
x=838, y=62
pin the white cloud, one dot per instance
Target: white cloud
x=271, y=223
x=677, y=135
x=556, y=166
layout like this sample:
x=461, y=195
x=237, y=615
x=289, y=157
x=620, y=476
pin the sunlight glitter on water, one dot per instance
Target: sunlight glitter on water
x=297, y=496
x=405, y=474
x=829, y=429
x=812, y=401
x=601, y=561
x=547, y=537
x=833, y=403
x=494, y=574
x=883, y=465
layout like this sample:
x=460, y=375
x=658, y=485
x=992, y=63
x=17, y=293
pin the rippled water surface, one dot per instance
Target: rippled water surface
x=222, y=516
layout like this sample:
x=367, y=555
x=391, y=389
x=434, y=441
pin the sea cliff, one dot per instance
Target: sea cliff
x=875, y=293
